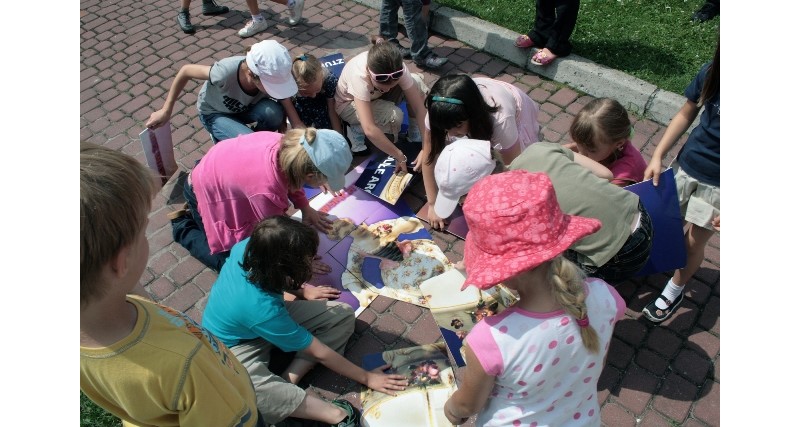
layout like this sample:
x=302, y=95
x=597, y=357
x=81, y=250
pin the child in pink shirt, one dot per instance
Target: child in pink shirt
x=602, y=131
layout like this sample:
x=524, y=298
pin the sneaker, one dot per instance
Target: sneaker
x=297, y=12
x=353, y=418
x=707, y=12
x=659, y=315
x=431, y=62
x=184, y=22
x=252, y=28
x=210, y=8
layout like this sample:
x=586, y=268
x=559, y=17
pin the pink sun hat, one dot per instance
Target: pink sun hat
x=516, y=224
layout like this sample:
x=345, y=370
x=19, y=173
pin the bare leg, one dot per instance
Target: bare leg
x=314, y=408
x=252, y=6
x=297, y=369
x=696, y=240
x=185, y=4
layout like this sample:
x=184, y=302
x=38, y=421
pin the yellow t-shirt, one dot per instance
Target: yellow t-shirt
x=169, y=371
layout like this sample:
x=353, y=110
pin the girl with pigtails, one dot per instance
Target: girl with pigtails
x=537, y=362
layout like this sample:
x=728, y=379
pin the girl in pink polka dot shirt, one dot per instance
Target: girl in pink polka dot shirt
x=537, y=363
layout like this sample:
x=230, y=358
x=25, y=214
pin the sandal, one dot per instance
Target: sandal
x=542, y=58
x=523, y=42
x=658, y=315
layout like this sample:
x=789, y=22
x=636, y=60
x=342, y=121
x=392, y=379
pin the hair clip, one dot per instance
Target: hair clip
x=302, y=57
x=448, y=100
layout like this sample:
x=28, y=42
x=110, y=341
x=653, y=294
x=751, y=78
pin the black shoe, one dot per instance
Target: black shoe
x=405, y=51
x=431, y=62
x=658, y=315
x=707, y=12
x=210, y=8
x=184, y=22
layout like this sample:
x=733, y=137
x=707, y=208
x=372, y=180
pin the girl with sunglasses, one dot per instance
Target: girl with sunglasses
x=460, y=106
x=371, y=86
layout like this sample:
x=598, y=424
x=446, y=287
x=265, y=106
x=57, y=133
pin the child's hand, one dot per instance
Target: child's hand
x=319, y=268
x=385, y=383
x=327, y=189
x=436, y=222
x=715, y=223
x=653, y=171
x=417, y=163
x=314, y=219
x=311, y=292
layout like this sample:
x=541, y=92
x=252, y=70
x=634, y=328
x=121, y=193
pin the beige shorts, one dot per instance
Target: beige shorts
x=388, y=116
x=699, y=202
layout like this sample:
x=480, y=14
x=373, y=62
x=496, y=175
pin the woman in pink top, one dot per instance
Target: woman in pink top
x=602, y=131
x=537, y=362
x=460, y=106
x=242, y=180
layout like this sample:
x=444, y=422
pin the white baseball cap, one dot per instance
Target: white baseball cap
x=271, y=62
x=461, y=164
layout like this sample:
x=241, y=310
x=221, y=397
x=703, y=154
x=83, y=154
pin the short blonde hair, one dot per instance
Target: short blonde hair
x=116, y=196
x=294, y=159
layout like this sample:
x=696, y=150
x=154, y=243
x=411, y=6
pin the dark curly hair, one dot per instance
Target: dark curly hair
x=279, y=254
x=444, y=115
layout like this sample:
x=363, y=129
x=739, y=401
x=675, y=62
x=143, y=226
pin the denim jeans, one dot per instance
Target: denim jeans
x=267, y=114
x=188, y=231
x=415, y=26
x=629, y=259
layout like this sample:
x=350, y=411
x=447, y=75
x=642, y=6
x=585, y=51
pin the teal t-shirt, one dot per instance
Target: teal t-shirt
x=237, y=310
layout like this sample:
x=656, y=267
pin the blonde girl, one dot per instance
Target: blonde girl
x=313, y=105
x=602, y=131
x=243, y=180
x=537, y=362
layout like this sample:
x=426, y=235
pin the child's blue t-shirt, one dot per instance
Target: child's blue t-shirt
x=699, y=157
x=238, y=311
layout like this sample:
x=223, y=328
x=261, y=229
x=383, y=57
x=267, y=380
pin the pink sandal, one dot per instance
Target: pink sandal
x=523, y=42
x=542, y=58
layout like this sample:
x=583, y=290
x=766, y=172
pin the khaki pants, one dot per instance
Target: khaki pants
x=330, y=322
x=388, y=116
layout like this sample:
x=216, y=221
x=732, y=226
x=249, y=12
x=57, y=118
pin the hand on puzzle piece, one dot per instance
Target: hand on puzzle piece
x=319, y=268
x=320, y=292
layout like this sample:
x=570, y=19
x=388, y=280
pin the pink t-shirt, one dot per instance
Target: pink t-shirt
x=543, y=373
x=355, y=83
x=238, y=183
x=629, y=167
x=515, y=122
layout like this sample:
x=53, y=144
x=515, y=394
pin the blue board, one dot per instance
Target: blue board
x=669, y=250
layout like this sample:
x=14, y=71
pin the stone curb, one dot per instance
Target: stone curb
x=638, y=96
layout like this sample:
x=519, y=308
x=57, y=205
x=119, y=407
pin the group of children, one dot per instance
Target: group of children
x=549, y=221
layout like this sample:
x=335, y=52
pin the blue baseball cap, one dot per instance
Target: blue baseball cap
x=330, y=154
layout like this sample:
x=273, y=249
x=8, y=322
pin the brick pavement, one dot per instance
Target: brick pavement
x=655, y=375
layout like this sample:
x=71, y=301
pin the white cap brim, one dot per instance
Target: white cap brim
x=444, y=206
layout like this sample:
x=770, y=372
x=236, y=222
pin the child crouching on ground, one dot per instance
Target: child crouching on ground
x=247, y=311
x=313, y=105
x=538, y=362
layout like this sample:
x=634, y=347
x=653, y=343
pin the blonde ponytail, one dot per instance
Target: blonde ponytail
x=567, y=281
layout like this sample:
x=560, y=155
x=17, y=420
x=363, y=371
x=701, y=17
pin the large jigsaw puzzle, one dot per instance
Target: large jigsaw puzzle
x=375, y=248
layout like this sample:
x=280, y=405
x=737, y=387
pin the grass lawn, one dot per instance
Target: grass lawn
x=655, y=41
x=95, y=416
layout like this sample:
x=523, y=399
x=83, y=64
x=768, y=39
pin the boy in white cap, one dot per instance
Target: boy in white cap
x=615, y=253
x=237, y=91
